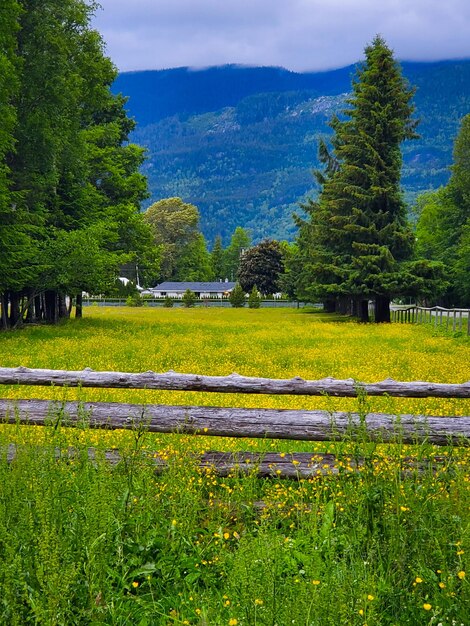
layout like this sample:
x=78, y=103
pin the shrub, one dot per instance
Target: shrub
x=168, y=302
x=189, y=298
x=134, y=300
x=237, y=297
x=254, y=300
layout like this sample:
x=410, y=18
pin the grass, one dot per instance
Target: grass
x=86, y=543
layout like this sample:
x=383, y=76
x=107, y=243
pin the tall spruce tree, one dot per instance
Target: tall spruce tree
x=357, y=233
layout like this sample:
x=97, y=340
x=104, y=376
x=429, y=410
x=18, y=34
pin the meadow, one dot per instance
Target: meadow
x=87, y=543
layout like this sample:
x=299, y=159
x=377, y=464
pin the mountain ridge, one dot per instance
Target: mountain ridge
x=240, y=143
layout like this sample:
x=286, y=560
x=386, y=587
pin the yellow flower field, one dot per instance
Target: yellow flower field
x=124, y=545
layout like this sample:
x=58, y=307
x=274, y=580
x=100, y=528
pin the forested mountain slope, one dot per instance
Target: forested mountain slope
x=240, y=142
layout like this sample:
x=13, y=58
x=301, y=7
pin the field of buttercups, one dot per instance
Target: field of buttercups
x=85, y=543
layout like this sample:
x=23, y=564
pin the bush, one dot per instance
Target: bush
x=237, y=297
x=189, y=298
x=254, y=300
x=168, y=302
x=134, y=300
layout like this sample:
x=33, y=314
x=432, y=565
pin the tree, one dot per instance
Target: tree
x=194, y=263
x=357, y=231
x=16, y=248
x=444, y=222
x=175, y=228
x=262, y=266
x=237, y=297
x=239, y=242
x=73, y=178
x=189, y=298
x=254, y=300
x=217, y=259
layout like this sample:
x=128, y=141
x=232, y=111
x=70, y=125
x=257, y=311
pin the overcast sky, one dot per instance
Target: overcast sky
x=297, y=34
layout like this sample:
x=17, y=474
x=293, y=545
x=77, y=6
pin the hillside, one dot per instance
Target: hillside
x=241, y=142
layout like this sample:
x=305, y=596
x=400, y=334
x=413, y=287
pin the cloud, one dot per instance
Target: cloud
x=297, y=34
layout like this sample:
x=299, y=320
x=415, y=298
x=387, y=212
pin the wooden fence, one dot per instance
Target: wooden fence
x=312, y=425
x=457, y=320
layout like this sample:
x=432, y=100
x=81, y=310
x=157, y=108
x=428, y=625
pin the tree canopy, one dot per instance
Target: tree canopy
x=70, y=186
x=443, y=228
x=261, y=266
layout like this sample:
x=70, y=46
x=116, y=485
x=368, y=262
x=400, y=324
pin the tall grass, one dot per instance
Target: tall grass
x=84, y=542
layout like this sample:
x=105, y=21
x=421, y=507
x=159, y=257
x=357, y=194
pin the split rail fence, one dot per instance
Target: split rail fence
x=306, y=425
x=452, y=319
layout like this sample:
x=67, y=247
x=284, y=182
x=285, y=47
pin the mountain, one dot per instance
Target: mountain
x=240, y=142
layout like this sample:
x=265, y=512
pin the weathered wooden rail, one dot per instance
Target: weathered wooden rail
x=234, y=383
x=306, y=425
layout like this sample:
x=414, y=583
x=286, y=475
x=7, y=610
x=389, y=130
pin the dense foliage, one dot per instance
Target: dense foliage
x=70, y=187
x=262, y=266
x=443, y=229
x=240, y=142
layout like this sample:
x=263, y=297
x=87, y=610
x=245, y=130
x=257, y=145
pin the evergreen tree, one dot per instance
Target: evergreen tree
x=189, y=298
x=239, y=242
x=16, y=256
x=194, y=263
x=254, y=300
x=443, y=228
x=358, y=231
x=237, y=297
x=217, y=259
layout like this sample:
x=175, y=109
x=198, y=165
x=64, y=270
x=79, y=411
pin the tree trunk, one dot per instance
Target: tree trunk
x=38, y=308
x=4, y=306
x=79, y=306
x=30, y=313
x=363, y=310
x=14, y=309
x=329, y=305
x=63, y=310
x=344, y=306
x=50, y=298
x=382, y=309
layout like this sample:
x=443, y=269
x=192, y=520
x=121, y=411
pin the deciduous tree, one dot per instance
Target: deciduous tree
x=262, y=266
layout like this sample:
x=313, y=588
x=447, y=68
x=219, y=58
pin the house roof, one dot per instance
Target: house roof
x=217, y=287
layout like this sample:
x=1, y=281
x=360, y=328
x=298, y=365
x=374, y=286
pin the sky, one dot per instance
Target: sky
x=300, y=35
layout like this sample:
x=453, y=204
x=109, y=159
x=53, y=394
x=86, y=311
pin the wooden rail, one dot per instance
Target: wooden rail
x=265, y=464
x=234, y=422
x=172, y=381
